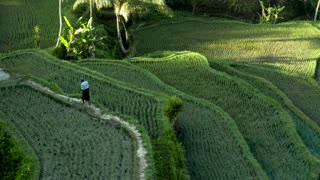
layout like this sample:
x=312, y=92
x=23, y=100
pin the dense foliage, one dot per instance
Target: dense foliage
x=14, y=163
x=242, y=9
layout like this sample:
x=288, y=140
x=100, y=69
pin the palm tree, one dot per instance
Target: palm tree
x=122, y=10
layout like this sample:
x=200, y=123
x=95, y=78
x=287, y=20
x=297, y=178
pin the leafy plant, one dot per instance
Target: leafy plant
x=270, y=15
x=80, y=40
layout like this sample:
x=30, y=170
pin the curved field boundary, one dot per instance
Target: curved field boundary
x=214, y=146
x=268, y=129
x=304, y=92
x=141, y=151
x=305, y=68
x=308, y=130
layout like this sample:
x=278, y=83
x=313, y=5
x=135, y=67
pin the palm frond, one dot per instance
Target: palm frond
x=103, y=3
x=78, y=2
x=125, y=11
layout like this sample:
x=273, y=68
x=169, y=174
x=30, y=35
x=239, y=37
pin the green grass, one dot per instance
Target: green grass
x=69, y=143
x=115, y=96
x=267, y=128
x=214, y=146
x=19, y=17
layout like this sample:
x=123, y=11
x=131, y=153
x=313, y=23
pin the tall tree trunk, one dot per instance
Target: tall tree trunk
x=91, y=9
x=60, y=20
x=317, y=9
x=126, y=32
x=124, y=51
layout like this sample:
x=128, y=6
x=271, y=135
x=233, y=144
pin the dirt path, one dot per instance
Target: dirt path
x=3, y=75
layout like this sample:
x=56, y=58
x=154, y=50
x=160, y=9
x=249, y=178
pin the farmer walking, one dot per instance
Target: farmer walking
x=85, y=91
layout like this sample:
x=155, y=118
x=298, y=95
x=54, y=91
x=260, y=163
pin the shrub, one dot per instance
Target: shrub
x=60, y=52
x=14, y=164
x=172, y=109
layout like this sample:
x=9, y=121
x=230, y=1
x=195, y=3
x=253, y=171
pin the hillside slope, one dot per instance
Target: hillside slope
x=267, y=128
x=306, y=127
x=232, y=40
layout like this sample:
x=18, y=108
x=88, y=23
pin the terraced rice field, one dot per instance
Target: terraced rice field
x=19, y=17
x=304, y=92
x=284, y=61
x=255, y=118
x=214, y=146
x=67, y=78
x=142, y=105
x=267, y=128
x=232, y=40
x=68, y=143
x=308, y=130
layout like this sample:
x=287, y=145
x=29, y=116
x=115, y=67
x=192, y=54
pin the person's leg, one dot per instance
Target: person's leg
x=82, y=97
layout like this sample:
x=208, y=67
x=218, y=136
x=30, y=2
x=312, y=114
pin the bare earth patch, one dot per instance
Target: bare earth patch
x=3, y=75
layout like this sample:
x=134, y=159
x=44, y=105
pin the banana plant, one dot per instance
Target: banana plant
x=80, y=41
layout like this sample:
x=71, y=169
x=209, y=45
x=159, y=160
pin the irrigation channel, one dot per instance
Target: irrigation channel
x=141, y=152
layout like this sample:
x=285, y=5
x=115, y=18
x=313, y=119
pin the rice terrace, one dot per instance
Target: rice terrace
x=160, y=89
